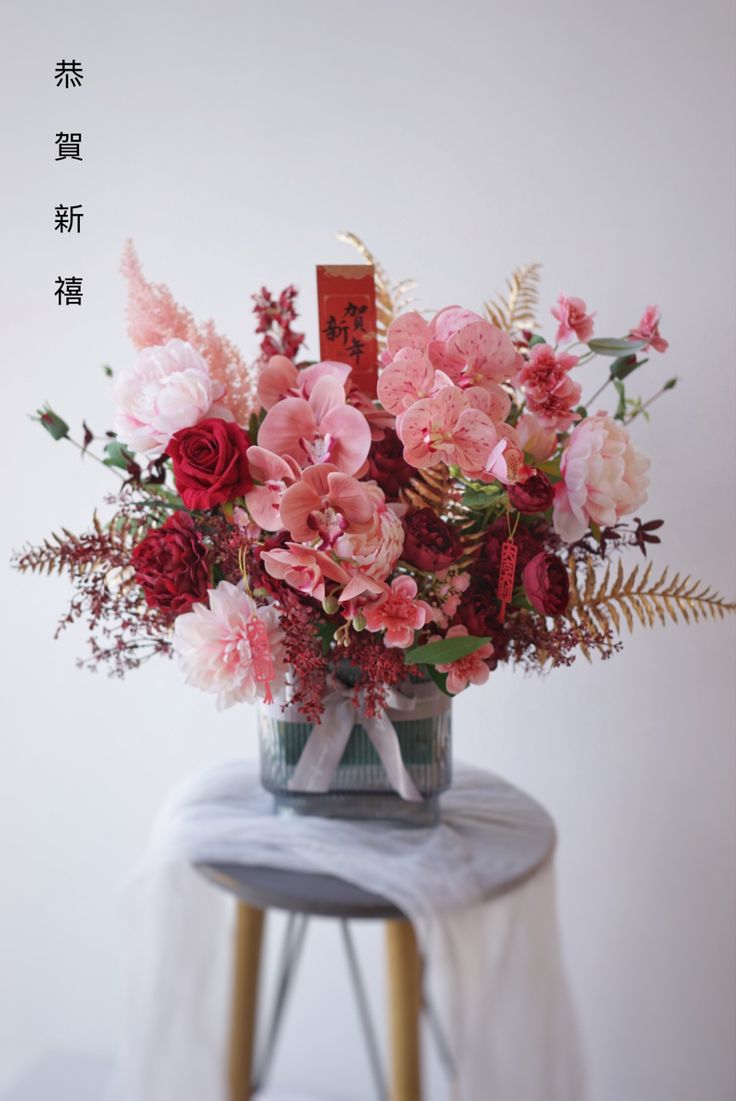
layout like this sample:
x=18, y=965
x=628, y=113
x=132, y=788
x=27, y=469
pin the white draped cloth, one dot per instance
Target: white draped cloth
x=495, y=961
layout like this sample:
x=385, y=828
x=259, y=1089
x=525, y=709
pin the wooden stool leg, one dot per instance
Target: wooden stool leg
x=404, y=1009
x=247, y=960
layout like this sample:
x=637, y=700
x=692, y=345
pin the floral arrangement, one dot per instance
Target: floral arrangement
x=273, y=523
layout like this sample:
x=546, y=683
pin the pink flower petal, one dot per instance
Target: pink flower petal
x=351, y=437
x=288, y=422
x=276, y=381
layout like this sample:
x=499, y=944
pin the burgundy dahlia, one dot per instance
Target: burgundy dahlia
x=430, y=543
x=387, y=466
x=171, y=565
x=547, y=584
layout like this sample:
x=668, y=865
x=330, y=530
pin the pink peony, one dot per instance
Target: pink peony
x=648, y=330
x=398, y=613
x=275, y=475
x=469, y=350
x=604, y=478
x=471, y=669
x=213, y=648
x=550, y=392
x=168, y=388
x=374, y=549
x=281, y=379
x=323, y=429
x=324, y=504
x=447, y=428
x=304, y=568
x=573, y=318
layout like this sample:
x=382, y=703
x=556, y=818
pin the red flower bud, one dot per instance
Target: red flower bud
x=546, y=584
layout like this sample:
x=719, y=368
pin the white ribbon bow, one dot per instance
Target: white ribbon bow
x=326, y=744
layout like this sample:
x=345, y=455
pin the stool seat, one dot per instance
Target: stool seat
x=299, y=892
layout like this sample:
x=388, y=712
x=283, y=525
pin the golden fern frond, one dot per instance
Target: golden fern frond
x=391, y=299
x=638, y=598
x=518, y=309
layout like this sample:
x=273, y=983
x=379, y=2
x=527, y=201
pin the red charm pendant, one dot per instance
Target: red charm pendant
x=260, y=650
x=505, y=590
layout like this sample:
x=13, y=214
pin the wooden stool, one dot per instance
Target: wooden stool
x=304, y=895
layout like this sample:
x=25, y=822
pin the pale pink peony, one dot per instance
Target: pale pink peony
x=573, y=318
x=534, y=438
x=374, y=549
x=648, y=330
x=448, y=428
x=549, y=390
x=324, y=504
x=304, y=568
x=281, y=379
x=168, y=388
x=398, y=612
x=471, y=669
x=213, y=648
x=275, y=475
x=323, y=429
x=469, y=350
x=604, y=478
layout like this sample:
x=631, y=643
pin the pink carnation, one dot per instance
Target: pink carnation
x=398, y=613
x=213, y=648
x=472, y=669
x=168, y=388
x=604, y=478
x=550, y=392
x=573, y=318
x=648, y=330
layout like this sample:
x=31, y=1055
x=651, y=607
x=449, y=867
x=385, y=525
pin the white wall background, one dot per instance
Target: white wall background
x=232, y=140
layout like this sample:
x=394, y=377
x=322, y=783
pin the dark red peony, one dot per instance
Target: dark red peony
x=429, y=543
x=546, y=584
x=210, y=463
x=387, y=466
x=534, y=495
x=171, y=565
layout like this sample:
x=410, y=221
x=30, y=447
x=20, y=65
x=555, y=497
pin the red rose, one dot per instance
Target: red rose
x=429, y=543
x=533, y=495
x=210, y=462
x=171, y=565
x=387, y=466
x=547, y=584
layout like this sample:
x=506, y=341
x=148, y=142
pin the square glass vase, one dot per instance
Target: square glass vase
x=360, y=788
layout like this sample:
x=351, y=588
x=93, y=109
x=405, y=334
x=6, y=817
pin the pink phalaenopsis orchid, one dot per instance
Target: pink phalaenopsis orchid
x=398, y=612
x=469, y=350
x=324, y=504
x=323, y=429
x=447, y=428
x=275, y=475
x=574, y=319
x=303, y=568
x=472, y=669
x=280, y=379
x=648, y=330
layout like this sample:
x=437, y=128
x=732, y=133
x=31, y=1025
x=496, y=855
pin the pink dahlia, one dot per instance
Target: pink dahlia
x=213, y=648
x=573, y=318
x=648, y=330
x=603, y=478
x=472, y=669
x=550, y=392
x=168, y=388
x=398, y=613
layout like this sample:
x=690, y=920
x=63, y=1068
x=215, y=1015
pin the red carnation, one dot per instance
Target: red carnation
x=533, y=495
x=430, y=544
x=546, y=584
x=387, y=466
x=210, y=463
x=171, y=565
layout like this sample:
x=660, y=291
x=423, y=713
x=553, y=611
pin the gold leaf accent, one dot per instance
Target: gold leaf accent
x=518, y=309
x=391, y=298
x=635, y=596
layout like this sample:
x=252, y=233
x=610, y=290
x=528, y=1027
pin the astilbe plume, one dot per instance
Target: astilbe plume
x=154, y=317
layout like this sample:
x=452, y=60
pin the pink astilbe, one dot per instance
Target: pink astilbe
x=154, y=317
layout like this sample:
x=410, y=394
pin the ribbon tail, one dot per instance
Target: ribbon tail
x=324, y=749
x=385, y=740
